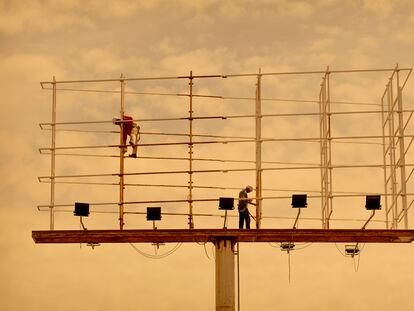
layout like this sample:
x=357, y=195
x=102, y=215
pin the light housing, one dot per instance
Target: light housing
x=153, y=213
x=373, y=202
x=299, y=200
x=226, y=204
x=81, y=209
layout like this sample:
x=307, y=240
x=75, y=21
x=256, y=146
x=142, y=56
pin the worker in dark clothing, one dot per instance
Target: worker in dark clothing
x=244, y=214
x=131, y=129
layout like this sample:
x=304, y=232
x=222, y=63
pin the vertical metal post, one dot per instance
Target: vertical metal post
x=225, y=280
x=384, y=152
x=321, y=148
x=402, y=150
x=190, y=157
x=258, y=151
x=52, y=157
x=325, y=157
x=329, y=145
x=392, y=147
x=121, y=156
x=325, y=150
x=325, y=153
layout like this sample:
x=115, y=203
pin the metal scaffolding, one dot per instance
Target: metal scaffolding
x=394, y=152
x=395, y=143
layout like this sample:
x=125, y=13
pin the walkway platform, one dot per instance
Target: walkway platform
x=211, y=235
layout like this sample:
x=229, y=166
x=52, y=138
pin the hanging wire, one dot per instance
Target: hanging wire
x=205, y=249
x=340, y=252
x=212, y=96
x=156, y=256
x=289, y=266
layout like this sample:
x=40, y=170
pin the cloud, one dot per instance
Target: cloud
x=381, y=7
x=201, y=60
x=49, y=16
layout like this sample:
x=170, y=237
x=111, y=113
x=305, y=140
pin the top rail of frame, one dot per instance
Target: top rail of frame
x=224, y=75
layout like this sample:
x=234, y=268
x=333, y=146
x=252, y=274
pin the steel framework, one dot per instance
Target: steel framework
x=393, y=140
x=394, y=167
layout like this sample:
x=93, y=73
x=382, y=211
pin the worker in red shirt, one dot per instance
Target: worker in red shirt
x=131, y=129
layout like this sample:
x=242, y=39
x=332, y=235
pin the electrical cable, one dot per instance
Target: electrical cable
x=340, y=251
x=211, y=96
x=288, y=253
x=156, y=256
x=205, y=251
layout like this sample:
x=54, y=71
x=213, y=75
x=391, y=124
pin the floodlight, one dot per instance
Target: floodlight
x=287, y=246
x=373, y=202
x=299, y=201
x=351, y=250
x=226, y=203
x=153, y=213
x=81, y=209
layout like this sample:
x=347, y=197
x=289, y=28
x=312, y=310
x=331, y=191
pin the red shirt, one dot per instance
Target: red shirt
x=127, y=125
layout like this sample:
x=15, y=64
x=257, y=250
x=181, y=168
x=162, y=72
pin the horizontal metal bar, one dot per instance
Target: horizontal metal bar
x=225, y=75
x=223, y=117
x=213, y=235
x=303, y=139
x=215, y=171
x=210, y=96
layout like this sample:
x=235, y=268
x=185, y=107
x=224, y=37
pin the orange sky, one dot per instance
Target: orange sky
x=102, y=39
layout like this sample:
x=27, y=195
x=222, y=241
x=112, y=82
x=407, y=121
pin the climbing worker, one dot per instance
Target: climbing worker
x=244, y=214
x=131, y=129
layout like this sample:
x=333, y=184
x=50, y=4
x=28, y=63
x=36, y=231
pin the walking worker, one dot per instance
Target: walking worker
x=131, y=129
x=244, y=214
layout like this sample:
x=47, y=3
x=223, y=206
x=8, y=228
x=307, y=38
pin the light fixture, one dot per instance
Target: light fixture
x=299, y=200
x=373, y=202
x=287, y=246
x=81, y=209
x=153, y=213
x=351, y=250
x=226, y=203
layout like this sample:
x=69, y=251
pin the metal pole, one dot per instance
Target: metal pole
x=258, y=152
x=121, y=156
x=53, y=157
x=190, y=157
x=225, y=280
x=324, y=130
x=329, y=145
x=321, y=153
x=384, y=152
x=391, y=133
x=402, y=150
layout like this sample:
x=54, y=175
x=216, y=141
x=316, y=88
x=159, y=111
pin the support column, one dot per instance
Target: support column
x=225, y=280
x=121, y=156
x=392, y=151
x=385, y=150
x=258, y=151
x=402, y=151
x=325, y=149
x=190, y=157
x=53, y=157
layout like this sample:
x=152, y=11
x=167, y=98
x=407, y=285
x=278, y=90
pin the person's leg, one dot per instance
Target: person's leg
x=247, y=219
x=133, y=141
x=241, y=220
